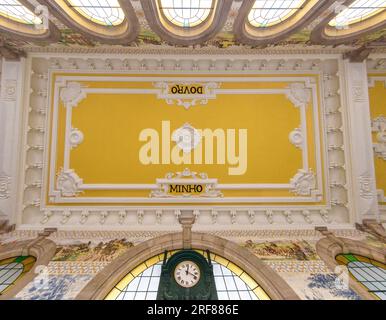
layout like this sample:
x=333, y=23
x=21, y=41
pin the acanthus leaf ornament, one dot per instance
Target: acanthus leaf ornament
x=68, y=183
x=378, y=126
x=72, y=94
x=303, y=183
x=299, y=94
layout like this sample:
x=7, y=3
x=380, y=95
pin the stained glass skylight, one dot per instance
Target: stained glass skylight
x=358, y=11
x=14, y=10
x=370, y=273
x=13, y=269
x=266, y=13
x=104, y=12
x=186, y=13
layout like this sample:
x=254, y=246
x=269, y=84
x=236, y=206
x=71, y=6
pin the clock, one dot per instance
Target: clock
x=187, y=274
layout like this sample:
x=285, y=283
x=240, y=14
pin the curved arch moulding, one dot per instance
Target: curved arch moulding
x=115, y=23
x=348, y=21
x=260, y=24
x=184, y=25
x=23, y=21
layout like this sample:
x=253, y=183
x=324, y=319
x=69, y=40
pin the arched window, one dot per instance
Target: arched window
x=358, y=11
x=186, y=13
x=370, y=273
x=14, y=10
x=266, y=13
x=13, y=269
x=232, y=283
x=103, y=12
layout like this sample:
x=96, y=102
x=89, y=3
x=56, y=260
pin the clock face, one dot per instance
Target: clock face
x=187, y=274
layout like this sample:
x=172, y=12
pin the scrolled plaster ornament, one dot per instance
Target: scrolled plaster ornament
x=251, y=215
x=296, y=138
x=187, y=100
x=303, y=183
x=158, y=215
x=9, y=90
x=76, y=137
x=103, y=216
x=66, y=215
x=187, y=138
x=366, y=183
x=269, y=216
x=233, y=214
x=140, y=216
x=209, y=185
x=46, y=216
x=68, y=183
x=5, y=182
x=378, y=125
x=84, y=216
x=72, y=94
x=288, y=216
x=214, y=214
x=307, y=216
x=299, y=94
x=122, y=214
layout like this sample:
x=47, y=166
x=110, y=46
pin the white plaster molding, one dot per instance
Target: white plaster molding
x=122, y=216
x=299, y=94
x=72, y=94
x=84, y=215
x=68, y=183
x=187, y=100
x=298, y=64
x=296, y=138
x=186, y=177
x=378, y=125
x=76, y=138
x=308, y=82
x=187, y=138
x=359, y=151
x=5, y=185
x=9, y=90
x=366, y=183
x=303, y=183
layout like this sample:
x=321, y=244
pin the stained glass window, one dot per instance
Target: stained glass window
x=370, y=273
x=266, y=13
x=104, y=12
x=358, y=11
x=14, y=10
x=232, y=283
x=186, y=13
x=13, y=269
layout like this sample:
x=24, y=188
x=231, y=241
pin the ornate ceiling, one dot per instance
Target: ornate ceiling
x=182, y=25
